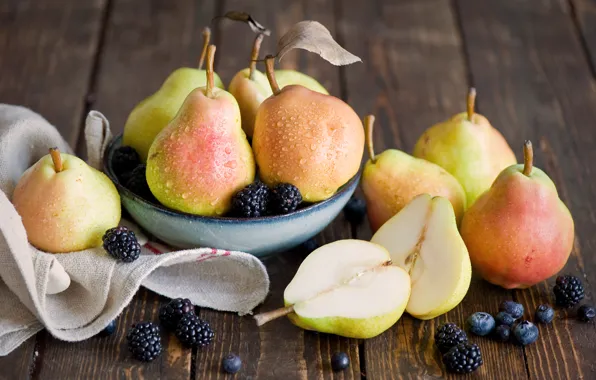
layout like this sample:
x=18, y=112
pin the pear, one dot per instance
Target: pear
x=152, y=114
x=390, y=180
x=519, y=232
x=250, y=87
x=202, y=157
x=346, y=288
x=288, y=77
x=311, y=140
x=469, y=148
x=65, y=204
x=423, y=240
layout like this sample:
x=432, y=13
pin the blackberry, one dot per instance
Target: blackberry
x=463, y=358
x=251, y=201
x=144, y=341
x=516, y=310
x=568, y=291
x=285, y=198
x=481, y=323
x=544, y=314
x=231, y=363
x=502, y=333
x=339, y=361
x=137, y=183
x=586, y=313
x=121, y=243
x=193, y=331
x=355, y=210
x=525, y=333
x=503, y=318
x=449, y=335
x=109, y=329
x=171, y=312
x=124, y=160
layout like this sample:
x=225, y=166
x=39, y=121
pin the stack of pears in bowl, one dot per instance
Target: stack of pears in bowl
x=258, y=168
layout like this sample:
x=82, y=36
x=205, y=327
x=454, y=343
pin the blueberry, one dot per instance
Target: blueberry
x=481, y=323
x=502, y=333
x=109, y=329
x=525, y=333
x=340, y=361
x=231, y=363
x=544, y=314
x=516, y=310
x=503, y=318
x=586, y=313
x=310, y=245
x=355, y=210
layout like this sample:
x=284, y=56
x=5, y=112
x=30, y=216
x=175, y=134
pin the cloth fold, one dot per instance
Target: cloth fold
x=75, y=295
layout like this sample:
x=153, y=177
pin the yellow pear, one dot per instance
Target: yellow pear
x=390, y=180
x=311, y=140
x=202, y=157
x=286, y=77
x=152, y=114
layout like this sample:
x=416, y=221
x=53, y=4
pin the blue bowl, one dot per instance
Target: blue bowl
x=261, y=236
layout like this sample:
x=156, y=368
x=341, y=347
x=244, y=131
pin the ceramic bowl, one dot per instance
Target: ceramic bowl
x=259, y=236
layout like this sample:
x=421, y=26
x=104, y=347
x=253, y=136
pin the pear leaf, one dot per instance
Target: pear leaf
x=245, y=17
x=314, y=37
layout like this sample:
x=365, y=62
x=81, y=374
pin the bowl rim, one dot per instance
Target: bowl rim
x=353, y=182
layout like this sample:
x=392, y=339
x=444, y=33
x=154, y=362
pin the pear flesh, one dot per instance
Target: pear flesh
x=348, y=288
x=66, y=209
x=423, y=240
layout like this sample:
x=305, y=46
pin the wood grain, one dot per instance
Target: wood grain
x=413, y=76
x=535, y=83
x=584, y=15
x=278, y=349
x=20, y=363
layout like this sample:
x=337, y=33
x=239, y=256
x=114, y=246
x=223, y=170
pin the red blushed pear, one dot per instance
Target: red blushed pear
x=202, y=157
x=519, y=232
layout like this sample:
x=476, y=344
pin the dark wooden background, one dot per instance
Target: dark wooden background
x=532, y=62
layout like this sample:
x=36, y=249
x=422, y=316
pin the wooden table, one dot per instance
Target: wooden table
x=532, y=62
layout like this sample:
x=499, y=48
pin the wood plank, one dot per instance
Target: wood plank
x=534, y=82
x=584, y=13
x=413, y=76
x=47, y=50
x=144, y=42
x=278, y=349
x=20, y=363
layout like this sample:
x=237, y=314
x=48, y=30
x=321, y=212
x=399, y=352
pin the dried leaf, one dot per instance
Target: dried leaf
x=245, y=17
x=314, y=37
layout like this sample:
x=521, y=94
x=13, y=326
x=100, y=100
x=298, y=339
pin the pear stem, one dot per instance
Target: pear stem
x=57, y=159
x=274, y=314
x=528, y=158
x=369, y=121
x=206, y=38
x=471, y=102
x=270, y=62
x=210, y=82
x=254, y=55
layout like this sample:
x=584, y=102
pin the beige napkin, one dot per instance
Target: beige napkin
x=75, y=295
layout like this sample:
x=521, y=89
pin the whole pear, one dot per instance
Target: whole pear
x=469, y=148
x=202, y=157
x=519, y=232
x=65, y=204
x=152, y=114
x=390, y=180
x=311, y=140
x=250, y=87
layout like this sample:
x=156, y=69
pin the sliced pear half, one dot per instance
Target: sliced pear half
x=347, y=288
x=423, y=239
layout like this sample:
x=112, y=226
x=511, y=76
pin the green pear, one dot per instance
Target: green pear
x=152, y=114
x=288, y=77
x=202, y=157
x=250, y=87
x=65, y=204
x=469, y=148
x=390, y=180
x=347, y=288
x=423, y=240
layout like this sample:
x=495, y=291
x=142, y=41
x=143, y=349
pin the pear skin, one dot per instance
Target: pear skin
x=311, y=140
x=65, y=204
x=390, y=180
x=288, y=77
x=469, y=148
x=519, y=232
x=202, y=157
